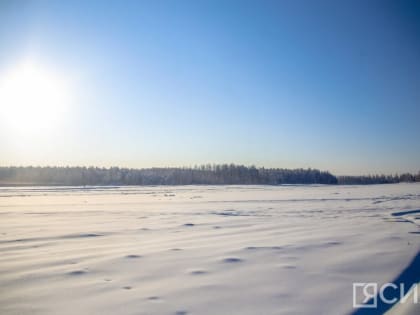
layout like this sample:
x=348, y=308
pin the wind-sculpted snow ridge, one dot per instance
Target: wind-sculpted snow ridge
x=204, y=249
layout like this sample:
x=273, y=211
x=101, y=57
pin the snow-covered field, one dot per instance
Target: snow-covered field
x=201, y=249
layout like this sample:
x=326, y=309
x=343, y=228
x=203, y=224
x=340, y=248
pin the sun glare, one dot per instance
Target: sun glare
x=32, y=98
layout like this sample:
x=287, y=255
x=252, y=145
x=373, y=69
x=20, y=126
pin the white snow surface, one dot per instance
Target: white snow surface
x=201, y=249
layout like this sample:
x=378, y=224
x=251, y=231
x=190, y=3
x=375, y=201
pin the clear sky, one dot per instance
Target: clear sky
x=333, y=85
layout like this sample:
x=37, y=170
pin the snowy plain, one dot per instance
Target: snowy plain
x=201, y=249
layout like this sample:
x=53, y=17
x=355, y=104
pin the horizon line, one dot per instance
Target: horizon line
x=211, y=164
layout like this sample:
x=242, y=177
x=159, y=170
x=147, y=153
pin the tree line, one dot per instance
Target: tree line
x=215, y=174
x=378, y=179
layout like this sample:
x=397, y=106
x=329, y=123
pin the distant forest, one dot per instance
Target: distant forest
x=225, y=174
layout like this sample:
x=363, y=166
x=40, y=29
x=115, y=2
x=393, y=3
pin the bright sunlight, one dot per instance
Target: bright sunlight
x=32, y=98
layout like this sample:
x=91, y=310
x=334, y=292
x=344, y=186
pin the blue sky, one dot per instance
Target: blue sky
x=333, y=85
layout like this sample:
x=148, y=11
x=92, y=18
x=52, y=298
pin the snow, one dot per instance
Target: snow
x=201, y=249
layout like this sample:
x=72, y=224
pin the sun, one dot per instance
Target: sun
x=32, y=98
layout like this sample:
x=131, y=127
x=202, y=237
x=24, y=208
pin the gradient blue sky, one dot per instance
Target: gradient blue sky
x=333, y=85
